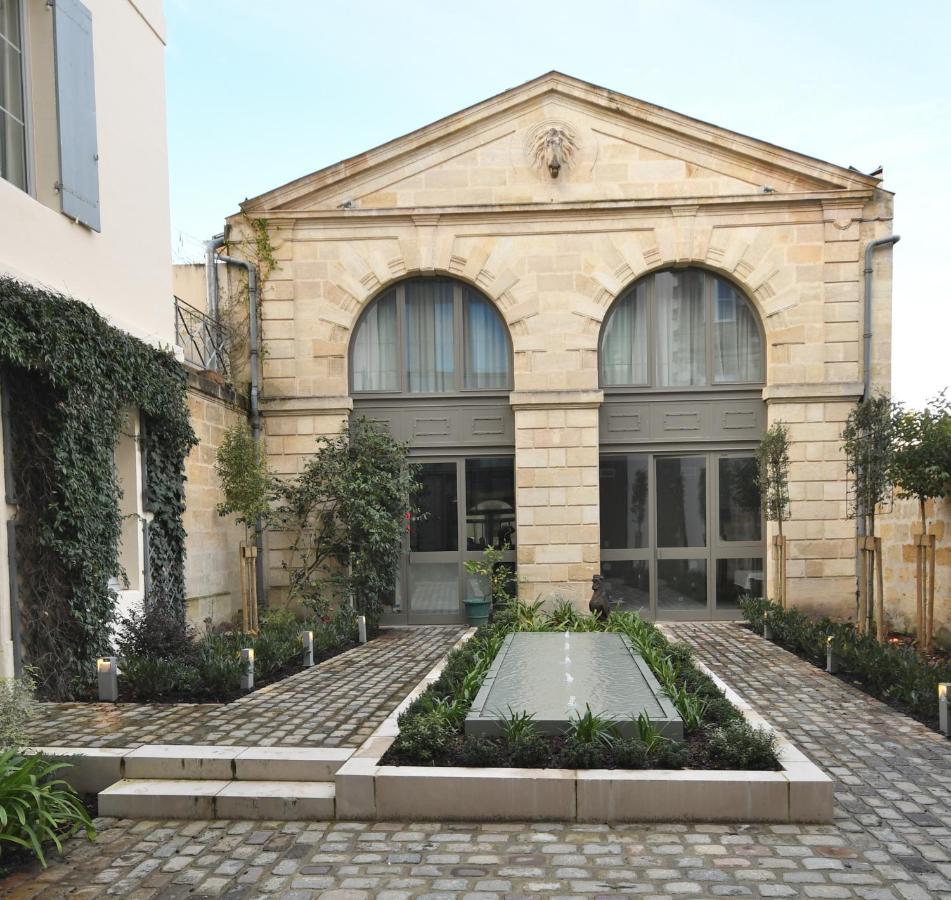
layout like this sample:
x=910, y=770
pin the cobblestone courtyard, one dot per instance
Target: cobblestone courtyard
x=338, y=703
x=891, y=837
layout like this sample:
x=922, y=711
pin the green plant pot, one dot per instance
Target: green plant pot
x=478, y=609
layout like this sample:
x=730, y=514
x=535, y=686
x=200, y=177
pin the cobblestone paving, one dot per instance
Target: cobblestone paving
x=891, y=837
x=338, y=703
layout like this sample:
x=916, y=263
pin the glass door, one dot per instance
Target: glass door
x=433, y=561
x=681, y=533
x=465, y=505
x=682, y=536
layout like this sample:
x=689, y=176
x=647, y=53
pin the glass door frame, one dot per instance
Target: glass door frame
x=406, y=615
x=715, y=548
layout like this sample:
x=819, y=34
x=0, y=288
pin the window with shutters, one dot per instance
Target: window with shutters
x=48, y=139
x=13, y=158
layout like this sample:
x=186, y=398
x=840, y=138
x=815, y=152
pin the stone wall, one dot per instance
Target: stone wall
x=898, y=529
x=212, y=574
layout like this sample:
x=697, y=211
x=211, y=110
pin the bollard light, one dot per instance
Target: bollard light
x=307, y=641
x=362, y=629
x=767, y=631
x=247, y=676
x=943, y=708
x=107, y=670
x=832, y=665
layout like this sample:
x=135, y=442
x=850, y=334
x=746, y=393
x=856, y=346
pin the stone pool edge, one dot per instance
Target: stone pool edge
x=799, y=793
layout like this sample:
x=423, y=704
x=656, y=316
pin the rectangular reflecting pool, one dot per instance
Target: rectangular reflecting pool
x=554, y=675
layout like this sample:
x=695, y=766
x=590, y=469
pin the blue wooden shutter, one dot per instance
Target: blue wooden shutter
x=76, y=110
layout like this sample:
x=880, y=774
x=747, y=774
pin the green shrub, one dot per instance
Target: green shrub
x=155, y=678
x=529, y=751
x=219, y=668
x=719, y=711
x=425, y=737
x=480, y=751
x=17, y=707
x=579, y=754
x=35, y=807
x=669, y=755
x=631, y=753
x=739, y=745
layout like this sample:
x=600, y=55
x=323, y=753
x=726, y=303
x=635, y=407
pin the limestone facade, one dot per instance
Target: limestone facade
x=212, y=573
x=642, y=189
x=898, y=528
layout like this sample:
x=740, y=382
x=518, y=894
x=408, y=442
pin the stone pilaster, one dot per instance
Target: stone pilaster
x=556, y=494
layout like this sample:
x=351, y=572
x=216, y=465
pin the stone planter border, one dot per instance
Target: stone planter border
x=799, y=792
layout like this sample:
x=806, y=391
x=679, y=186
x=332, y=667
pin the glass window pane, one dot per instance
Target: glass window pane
x=738, y=578
x=11, y=80
x=681, y=584
x=12, y=150
x=10, y=21
x=430, y=352
x=436, y=500
x=628, y=583
x=681, y=338
x=740, y=516
x=624, y=346
x=487, y=348
x=375, y=353
x=434, y=588
x=681, y=501
x=737, y=350
x=490, y=503
x=624, y=520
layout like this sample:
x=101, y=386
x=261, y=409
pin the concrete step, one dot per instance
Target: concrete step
x=191, y=798
x=186, y=761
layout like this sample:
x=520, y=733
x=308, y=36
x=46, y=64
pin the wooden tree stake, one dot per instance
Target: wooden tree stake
x=880, y=599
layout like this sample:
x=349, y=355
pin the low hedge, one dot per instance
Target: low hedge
x=162, y=664
x=717, y=735
x=893, y=673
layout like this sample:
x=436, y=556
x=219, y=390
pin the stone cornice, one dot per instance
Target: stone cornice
x=765, y=204
x=303, y=406
x=849, y=391
x=556, y=399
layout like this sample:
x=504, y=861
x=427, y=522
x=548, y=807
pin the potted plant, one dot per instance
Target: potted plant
x=490, y=582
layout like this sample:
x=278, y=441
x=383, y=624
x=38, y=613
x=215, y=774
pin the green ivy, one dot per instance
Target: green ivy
x=68, y=374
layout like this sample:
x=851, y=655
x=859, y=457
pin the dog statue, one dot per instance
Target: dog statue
x=600, y=604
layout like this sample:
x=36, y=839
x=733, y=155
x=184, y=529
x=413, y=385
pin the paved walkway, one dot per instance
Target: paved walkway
x=338, y=703
x=891, y=838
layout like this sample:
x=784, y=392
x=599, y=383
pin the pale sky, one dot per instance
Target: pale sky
x=260, y=93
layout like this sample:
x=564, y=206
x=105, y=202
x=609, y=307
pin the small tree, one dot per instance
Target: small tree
x=921, y=469
x=348, y=510
x=772, y=458
x=247, y=486
x=868, y=442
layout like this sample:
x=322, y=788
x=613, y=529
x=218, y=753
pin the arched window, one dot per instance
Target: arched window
x=681, y=328
x=430, y=336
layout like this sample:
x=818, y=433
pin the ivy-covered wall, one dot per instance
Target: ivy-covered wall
x=68, y=375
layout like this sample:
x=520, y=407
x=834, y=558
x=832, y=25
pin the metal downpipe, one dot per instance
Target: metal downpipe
x=254, y=352
x=870, y=249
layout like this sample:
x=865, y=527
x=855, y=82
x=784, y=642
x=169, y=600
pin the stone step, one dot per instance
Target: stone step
x=188, y=798
x=185, y=761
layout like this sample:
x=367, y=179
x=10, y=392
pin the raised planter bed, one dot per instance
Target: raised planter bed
x=366, y=790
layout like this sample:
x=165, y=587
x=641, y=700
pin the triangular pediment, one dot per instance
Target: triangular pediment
x=614, y=148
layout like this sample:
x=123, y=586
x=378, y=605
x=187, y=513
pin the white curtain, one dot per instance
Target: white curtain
x=430, y=355
x=624, y=348
x=681, y=338
x=738, y=354
x=487, y=352
x=375, y=351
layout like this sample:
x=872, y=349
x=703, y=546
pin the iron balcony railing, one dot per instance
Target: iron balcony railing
x=202, y=338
